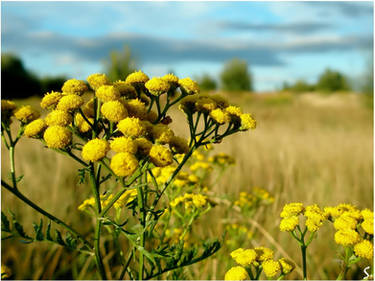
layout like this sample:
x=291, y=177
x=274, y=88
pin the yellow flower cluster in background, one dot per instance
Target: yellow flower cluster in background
x=248, y=201
x=190, y=201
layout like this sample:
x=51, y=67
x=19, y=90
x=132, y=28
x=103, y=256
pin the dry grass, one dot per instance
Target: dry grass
x=310, y=148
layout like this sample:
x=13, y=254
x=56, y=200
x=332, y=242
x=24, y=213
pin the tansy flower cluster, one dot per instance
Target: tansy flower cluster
x=191, y=202
x=252, y=262
x=249, y=201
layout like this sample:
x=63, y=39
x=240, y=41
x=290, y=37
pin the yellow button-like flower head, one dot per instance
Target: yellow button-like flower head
x=95, y=150
x=189, y=86
x=161, y=156
x=97, y=80
x=59, y=117
x=157, y=86
x=292, y=209
x=114, y=111
x=35, y=128
x=132, y=127
x=289, y=223
x=124, y=144
x=50, y=100
x=74, y=86
x=220, y=116
x=107, y=93
x=247, y=122
x=144, y=146
x=271, y=268
x=124, y=164
x=364, y=249
x=136, y=78
x=347, y=237
x=125, y=89
x=26, y=114
x=70, y=102
x=237, y=273
x=57, y=137
x=286, y=265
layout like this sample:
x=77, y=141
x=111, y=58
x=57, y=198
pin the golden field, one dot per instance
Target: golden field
x=308, y=148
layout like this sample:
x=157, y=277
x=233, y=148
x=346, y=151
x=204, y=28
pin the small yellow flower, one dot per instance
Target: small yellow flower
x=171, y=79
x=74, y=86
x=136, y=78
x=26, y=114
x=57, y=137
x=70, y=102
x=107, y=93
x=205, y=104
x=244, y=257
x=364, y=249
x=50, y=100
x=162, y=133
x=367, y=214
x=126, y=198
x=347, y=237
x=179, y=145
x=345, y=221
x=59, y=118
x=263, y=254
x=124, y=164
x=368, y=225
x=82, y=124
x=125, y=89
x=114, y=111
x=189, y=86
x=292, y=209
x=237, y=273
x=144, y=146
x=157, y=86
x=233, y=110
x=286, y=266
x=124, y=144
x=97, y=80
x=289, y=223
x=95, y=150
x=247, y=122
x=35, y=128
x=219, y=116
x=271, y=268
x=132, y=127
x=136, y=108
x=160, y=156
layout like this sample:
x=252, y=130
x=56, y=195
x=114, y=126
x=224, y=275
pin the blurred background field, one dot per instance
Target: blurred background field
x=308, y=148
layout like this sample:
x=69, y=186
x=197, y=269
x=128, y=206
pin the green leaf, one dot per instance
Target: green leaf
x=5, y=224
x=20, y=230
x=59, y=238
x=39, y=231
x=48, y=232
x=19, y=178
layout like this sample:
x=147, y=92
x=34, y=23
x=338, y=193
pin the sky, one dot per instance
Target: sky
x=280, y=41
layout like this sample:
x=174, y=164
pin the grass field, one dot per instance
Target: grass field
x=308, y=148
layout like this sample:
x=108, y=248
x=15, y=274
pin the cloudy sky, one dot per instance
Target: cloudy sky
x=281, y=41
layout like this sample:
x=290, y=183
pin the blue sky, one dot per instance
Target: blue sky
x=281, y=41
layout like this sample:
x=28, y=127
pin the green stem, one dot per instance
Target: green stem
x=95, y=191
x=12, y=165
x=143, y=223
x=303, y=250
x=26, y=200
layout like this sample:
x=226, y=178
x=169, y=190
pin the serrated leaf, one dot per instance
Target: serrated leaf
x=20, y=230
x=59, y=238
x=48, y=232
x=39, y=231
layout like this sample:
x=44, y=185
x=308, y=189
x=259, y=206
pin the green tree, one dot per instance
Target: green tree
x=207, y=83
x=120, y=64
x=301, y=86
x=235, y=76
x=17, y=82
x=332, y=81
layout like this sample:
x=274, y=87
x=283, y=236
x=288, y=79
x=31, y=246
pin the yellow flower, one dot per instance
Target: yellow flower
x=205, y=104
x=114, y=111
x=124, y=164
x=244, y=257
x=59, y=118
x=198, y=155
x=200, y=165
x=124, y=144
x=292, y=209
x=171, y=79
x=144, y=146
x=97, y=80
x=315, y=217
x=345, y=221
x=157, y=86
x=247, y=122
x=160, y=156
x=26, y=114
x=35, y=128
x=367, y=214
x=347, y=237
x=364, y=249
x=136, y=78
x=107, y=93
x=87, y=203
x=125, y=89
x=234, y=110
x=81, y=123
x=74, y=86
x=271, y=268
x=70, y=102
x=263, y=254
x=132, y=127
x=57, y=137
x=237, y=273
x=95, y=150
x=162, y=133
x=179, y=145
x=219, y=116
x=136, y=108
x=368, y=225
x=126, y=198
x=289, y=223
x=286, y=266
x=189, y=86
x=50, y=100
